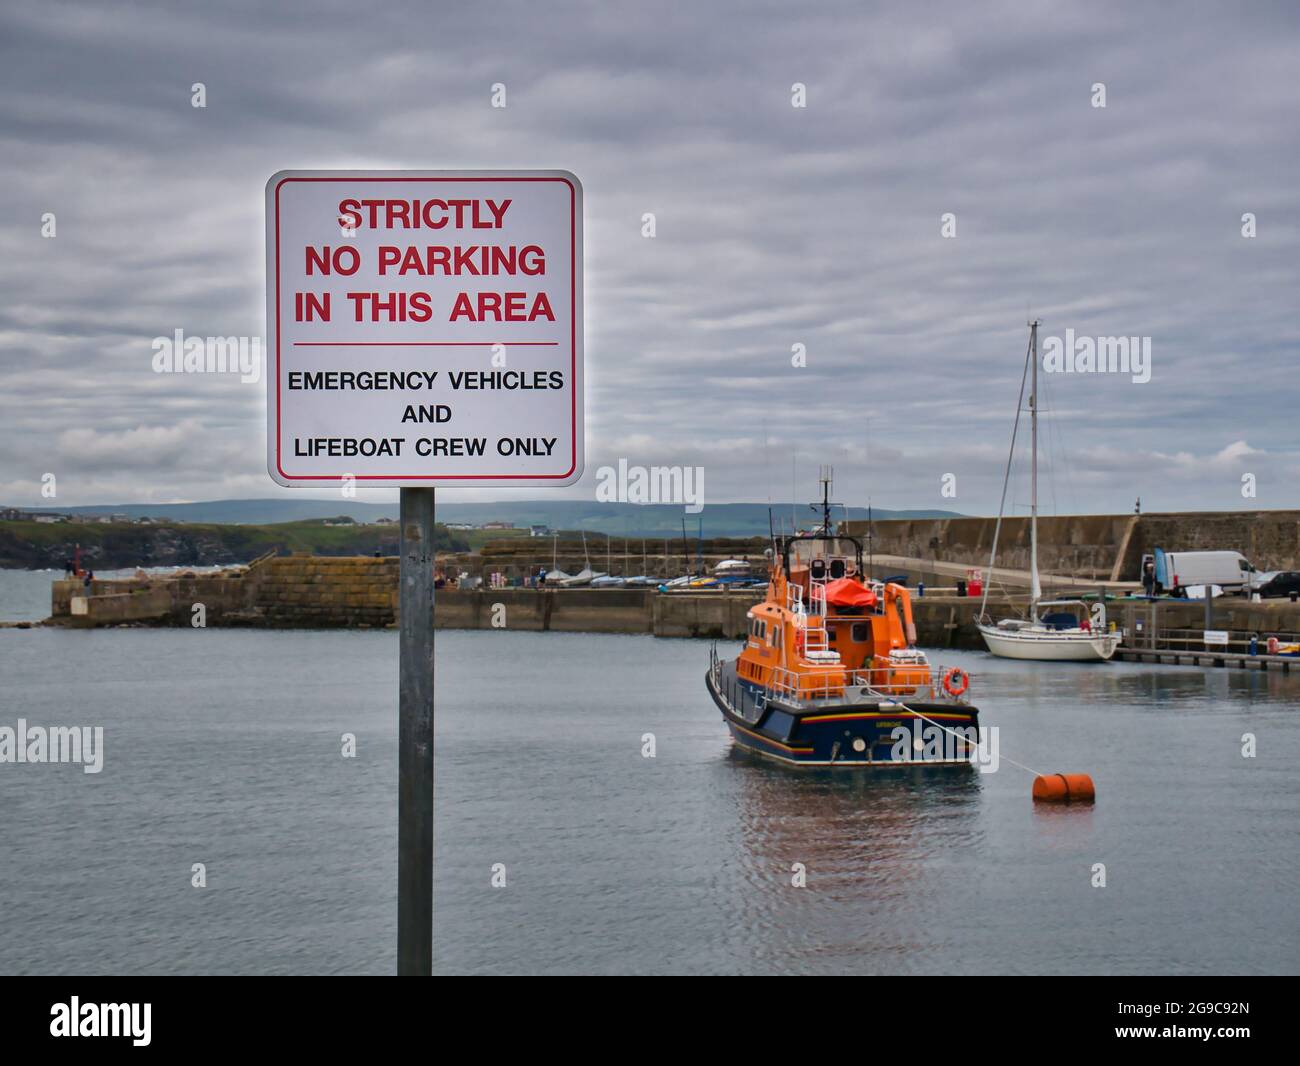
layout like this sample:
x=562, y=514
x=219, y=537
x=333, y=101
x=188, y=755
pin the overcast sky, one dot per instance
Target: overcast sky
x=776, y=226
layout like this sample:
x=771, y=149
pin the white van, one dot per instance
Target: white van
x=1231, y=571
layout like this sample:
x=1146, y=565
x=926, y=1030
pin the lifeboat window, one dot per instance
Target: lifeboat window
x=837, y=568
x=861, y=632
x=818, y=569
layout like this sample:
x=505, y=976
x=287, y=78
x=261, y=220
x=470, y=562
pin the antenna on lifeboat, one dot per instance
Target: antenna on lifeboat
x=826, y=476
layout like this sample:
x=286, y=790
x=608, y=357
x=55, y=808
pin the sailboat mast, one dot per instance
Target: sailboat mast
x=1035, y=589
x=1030, y=357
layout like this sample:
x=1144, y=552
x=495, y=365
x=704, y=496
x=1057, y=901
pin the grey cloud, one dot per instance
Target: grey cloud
x=775, y=226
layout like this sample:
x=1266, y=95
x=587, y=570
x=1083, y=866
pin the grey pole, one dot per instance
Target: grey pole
x=415, y=738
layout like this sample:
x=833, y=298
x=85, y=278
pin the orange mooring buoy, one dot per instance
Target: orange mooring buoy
x=1064, y=788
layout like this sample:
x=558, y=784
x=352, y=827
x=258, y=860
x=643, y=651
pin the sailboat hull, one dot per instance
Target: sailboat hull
x=1045, y=645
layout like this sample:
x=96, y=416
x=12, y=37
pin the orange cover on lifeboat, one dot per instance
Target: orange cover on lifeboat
x=848, y=593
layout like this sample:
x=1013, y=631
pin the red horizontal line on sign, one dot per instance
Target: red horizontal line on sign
x=424, y=344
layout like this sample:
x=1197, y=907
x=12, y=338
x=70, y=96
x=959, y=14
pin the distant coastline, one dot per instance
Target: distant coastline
x=29, y=545
x=615, y=519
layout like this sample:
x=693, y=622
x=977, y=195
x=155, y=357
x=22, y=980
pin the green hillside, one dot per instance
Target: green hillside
x=39, y=545
x=618, y=519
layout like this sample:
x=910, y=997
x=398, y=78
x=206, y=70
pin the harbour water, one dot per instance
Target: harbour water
x=222, y=747
x=25, y=594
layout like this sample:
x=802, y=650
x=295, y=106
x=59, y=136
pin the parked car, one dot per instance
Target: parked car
x=1283, y=583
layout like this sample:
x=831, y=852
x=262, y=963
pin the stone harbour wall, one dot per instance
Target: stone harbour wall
x=362, y=592
x=310, y=591
x=1105, y=547
x=295, y=591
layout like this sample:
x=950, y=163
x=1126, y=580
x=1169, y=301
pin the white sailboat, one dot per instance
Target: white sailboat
x=643, y=579
x=1076, y=632
x=555, y=577
x=609, y=580
x=586, y=575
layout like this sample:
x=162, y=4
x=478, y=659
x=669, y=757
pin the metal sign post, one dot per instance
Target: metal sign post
x=424, y=328
x=415, y=738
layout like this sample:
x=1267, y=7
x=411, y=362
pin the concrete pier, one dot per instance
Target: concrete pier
x=302, y=591
x=295, y=591
x=323, y=592
x=1229, y=660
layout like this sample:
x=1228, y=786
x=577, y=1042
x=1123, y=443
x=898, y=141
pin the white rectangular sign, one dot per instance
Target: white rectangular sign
x=424, y=327
x=1216, y=636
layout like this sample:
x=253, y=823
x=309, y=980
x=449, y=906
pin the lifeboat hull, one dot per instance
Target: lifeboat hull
x=850, y=733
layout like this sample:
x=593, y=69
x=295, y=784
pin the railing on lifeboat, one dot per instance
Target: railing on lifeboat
x=810, y=615
x=889, y=682
x=794, y=598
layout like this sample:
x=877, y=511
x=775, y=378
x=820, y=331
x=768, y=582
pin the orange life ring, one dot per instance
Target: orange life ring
x=950, y=684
